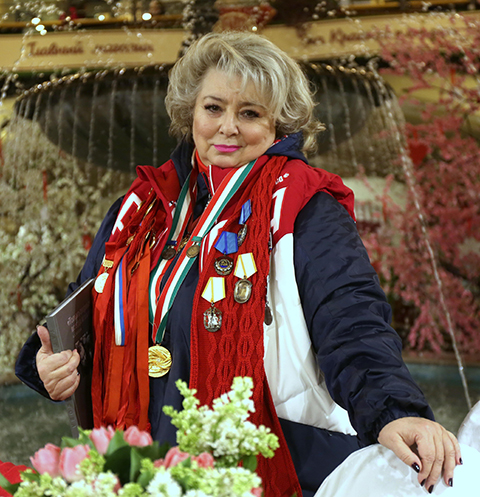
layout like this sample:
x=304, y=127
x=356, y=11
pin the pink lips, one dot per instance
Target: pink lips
x=226, y=148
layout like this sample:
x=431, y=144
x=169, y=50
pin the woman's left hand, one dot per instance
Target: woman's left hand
x=424, y=445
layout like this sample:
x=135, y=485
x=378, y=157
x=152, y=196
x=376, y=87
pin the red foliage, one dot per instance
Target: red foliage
x=442, y=208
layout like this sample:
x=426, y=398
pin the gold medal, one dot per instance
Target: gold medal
x=159, y=361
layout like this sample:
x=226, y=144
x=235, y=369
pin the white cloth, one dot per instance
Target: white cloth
x=469, y=432
x=376, y=471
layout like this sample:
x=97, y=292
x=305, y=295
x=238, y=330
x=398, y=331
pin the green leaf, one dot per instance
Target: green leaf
x=30, y=475
x=119, y=463
x=11, y=488
x=69, y=442
x=250, y=463
x=116, y=442
x=135, y=463
x=153, y=451
x=145, y=478
x=83, y=439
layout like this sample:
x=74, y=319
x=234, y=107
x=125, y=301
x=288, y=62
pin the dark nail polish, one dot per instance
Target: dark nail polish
x=461, y=461
x=430, y=490
x=450, y=482
x=423, y=482
x=416, y=467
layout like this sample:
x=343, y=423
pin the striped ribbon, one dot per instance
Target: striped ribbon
x=229, y=186
x=183, y=211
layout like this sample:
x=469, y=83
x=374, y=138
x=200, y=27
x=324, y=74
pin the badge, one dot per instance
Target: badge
x=159, y=361
x=246, y=212
x=212, y=319
x=193, y=251
x=244, y=215
x=227, y=243
x=101, y=279
x=244, y=269
x=242, y=234
x=213, y=292
x=100, y=282
x=223, y=265
x=242, y=291
x=268, y=315
x=169, y=252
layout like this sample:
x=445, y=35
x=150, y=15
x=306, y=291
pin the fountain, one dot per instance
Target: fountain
x=79, y=135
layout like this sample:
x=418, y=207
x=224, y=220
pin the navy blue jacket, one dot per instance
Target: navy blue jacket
x=347, y=317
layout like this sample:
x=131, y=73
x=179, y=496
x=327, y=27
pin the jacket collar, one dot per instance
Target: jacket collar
x=288, y=146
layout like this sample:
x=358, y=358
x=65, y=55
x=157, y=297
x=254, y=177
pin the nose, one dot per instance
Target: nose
x=229, y=124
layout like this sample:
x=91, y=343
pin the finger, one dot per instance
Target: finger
x=66, y=387
x=44, y=336
x=48, y=365
x=431, y=452
x=59, y=368
x=402, y=450
x=450, y=447
x=458, y=450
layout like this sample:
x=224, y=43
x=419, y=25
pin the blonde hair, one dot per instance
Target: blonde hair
x=277, y=78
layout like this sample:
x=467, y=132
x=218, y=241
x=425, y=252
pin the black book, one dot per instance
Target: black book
x=70, y=326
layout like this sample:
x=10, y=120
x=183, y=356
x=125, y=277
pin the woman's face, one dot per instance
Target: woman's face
x=230, y=127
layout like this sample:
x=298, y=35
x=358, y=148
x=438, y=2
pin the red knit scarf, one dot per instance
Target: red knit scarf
x=237, y=348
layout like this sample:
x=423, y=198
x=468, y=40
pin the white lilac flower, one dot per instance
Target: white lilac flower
x=163, y=485
x=104, y=485
x=195, y=493
x=82, y=489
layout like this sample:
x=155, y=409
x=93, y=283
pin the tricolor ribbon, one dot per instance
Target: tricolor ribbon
x=229, y=186
x=120, y=303
x=181, y=216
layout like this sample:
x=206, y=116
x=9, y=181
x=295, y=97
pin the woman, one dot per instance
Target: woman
x=237, y=258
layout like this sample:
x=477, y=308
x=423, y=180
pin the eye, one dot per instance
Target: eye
x=250, y=114
x=212, y=108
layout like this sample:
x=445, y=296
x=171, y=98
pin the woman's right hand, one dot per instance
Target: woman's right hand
x=57, y=371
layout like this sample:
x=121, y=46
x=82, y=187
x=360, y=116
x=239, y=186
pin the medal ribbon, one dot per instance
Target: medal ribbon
x=120, y=303
x=229, y=186
x=183, y=211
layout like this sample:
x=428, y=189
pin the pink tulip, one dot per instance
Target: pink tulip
x=70, y=458
x=159, y=463
x=257, y=492
x=101, y=438
x=175, y=456
x=47, y=460
x=133, y=436
x=204, y=460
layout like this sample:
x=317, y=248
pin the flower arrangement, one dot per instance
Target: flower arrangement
x=212, y=443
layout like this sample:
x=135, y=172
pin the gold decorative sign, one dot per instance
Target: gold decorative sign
x=109, y=48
